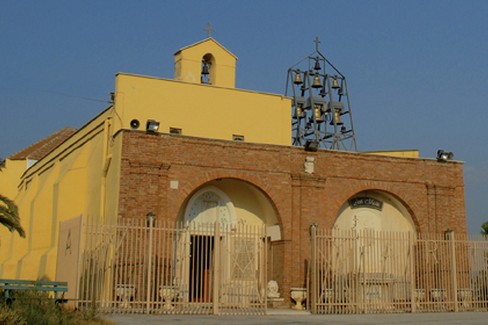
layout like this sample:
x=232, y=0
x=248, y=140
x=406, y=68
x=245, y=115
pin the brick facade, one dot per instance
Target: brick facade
x=433, y=192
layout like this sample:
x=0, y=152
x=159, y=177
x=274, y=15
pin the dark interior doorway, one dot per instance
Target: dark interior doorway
x=201, y=266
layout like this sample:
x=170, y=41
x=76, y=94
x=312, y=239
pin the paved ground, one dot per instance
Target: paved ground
x=290, y=317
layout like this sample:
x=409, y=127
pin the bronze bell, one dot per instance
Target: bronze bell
x=318, y=114
x=336, y=118
x=205, y=70
x=299, y=111
x=316, y=82
x=335, y=83
x=298, y=78
x=317, y=64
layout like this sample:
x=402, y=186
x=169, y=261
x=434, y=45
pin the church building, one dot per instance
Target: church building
x=195, y=150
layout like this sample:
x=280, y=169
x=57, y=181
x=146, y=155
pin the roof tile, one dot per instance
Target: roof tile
x=41, y=148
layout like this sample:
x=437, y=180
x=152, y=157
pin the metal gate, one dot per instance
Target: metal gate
x=366, y=271
x=191, y=268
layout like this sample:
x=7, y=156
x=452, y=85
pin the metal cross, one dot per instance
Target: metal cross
x=317, y=42
x=209, y=30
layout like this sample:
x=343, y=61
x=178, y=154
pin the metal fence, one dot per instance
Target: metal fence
x=169, y=268
x=365, y=271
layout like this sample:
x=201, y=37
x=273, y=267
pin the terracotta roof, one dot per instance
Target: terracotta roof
x=42, y=147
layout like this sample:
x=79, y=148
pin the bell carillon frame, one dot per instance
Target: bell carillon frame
x=321, y=110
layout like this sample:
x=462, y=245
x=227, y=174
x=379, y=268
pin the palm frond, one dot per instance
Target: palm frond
x=9, y=215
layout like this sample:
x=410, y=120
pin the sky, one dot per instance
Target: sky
x=417, y=70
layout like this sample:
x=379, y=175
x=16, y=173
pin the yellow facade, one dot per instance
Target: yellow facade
x=413, y=153
x=202, y=110
x=82, y=175
x=65, y=184
x=10, y=176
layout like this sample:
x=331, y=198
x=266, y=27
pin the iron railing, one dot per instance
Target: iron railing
x=170, y=268
x=366, y=271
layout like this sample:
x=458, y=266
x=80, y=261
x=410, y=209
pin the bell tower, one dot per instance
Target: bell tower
x=206, y=62
x=321, y=111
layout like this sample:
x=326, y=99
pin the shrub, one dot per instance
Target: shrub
x=34, y=307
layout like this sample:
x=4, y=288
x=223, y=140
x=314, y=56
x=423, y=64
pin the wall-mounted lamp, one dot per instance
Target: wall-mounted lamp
x=150, y=217
x=448, y=234
x=152, y=126
x=444, y=155
x=311, y=145
x=313, y=229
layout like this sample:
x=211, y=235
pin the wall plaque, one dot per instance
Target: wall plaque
x=365, y=202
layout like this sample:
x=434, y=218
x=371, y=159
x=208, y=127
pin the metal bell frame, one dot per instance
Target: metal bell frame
x=321, y=109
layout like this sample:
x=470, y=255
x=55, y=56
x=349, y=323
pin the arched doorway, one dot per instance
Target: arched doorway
x=245, y=218
x=371, y=250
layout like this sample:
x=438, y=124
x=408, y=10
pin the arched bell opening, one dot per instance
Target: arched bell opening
x=208, y=69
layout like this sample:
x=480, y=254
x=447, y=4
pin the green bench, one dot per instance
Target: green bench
x=58, y=288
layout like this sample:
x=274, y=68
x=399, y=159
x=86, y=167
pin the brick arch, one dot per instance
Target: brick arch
x=197, y=183
x=389, y=192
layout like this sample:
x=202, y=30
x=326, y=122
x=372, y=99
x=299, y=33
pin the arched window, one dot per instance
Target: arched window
x=208, y=67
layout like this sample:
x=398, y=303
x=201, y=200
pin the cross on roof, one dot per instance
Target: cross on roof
x=209, y=30
x=317, y=42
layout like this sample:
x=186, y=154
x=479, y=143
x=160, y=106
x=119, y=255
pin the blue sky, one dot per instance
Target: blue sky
x=417, y=70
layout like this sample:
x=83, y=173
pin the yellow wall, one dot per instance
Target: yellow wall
x=65, y=184
x=202, y=110
x=10, y=177
x=397, y=153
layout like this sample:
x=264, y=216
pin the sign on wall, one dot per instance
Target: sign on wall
x=67, y=262
x=365, y=202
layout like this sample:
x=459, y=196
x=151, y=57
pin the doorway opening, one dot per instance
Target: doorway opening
x=201, y=268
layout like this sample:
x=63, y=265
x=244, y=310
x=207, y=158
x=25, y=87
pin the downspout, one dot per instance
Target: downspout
x=107, y=159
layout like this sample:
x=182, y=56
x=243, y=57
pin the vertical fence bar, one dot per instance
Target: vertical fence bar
x=150, y=219
x=314, y=283
x=414, y=294
x=217, y=261
x=450, y=237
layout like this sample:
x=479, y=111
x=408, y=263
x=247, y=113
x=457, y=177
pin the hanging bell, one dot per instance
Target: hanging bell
x=205, y=70
x=317, y=64
x=336, y=120
x=318, y=114
x=316, y=82
x=335, y=83
x=298, y=78
x=323, y=92
x=299, y=111
x=340, y=92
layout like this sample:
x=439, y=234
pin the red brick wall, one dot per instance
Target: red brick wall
x=432, y=191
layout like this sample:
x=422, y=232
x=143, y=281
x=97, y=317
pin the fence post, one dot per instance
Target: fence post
x=413, y=278
x=450, y=236
x=216, y=275
x=150, y=218
x=313, y=264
